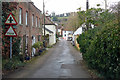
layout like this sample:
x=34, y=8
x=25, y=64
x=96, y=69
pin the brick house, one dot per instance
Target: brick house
x=29, y=27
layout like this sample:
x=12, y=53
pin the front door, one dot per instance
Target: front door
x=25, y=45
x=33, y=49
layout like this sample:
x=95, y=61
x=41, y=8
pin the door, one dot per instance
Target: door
x=25, y=45
x=33, y=49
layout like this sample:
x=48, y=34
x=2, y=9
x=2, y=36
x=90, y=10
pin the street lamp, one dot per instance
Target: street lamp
x=44, y=18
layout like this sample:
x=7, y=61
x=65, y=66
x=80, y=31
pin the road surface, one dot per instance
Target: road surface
x=61, y=61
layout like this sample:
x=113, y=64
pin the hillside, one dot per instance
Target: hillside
x=63, y=21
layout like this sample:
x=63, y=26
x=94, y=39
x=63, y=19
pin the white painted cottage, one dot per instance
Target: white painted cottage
x=50, y=29
x=67, y=34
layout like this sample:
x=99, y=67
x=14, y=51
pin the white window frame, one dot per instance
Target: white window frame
x=20, y=15
x=32, y=20
x=26, y=18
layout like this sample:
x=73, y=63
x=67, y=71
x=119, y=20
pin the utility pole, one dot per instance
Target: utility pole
x=44, y=22
x=105, y=4
x=44, y=18
x=87, y=7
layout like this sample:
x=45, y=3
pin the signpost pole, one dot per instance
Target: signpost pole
x=10, y=32
x=10, y=47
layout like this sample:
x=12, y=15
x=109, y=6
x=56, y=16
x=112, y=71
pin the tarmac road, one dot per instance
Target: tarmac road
x=61, y=61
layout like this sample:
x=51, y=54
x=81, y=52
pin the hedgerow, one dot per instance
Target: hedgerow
x=101, y=50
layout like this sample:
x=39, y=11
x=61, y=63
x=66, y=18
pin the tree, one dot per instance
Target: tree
x=72, y=22
x=116, y=10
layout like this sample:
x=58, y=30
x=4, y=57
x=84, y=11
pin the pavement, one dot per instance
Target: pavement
x=61, y=61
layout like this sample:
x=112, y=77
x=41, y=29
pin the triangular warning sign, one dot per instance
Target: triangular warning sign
x=11, y=32
x=10, y=20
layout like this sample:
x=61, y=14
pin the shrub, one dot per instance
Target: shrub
x=84, y=40
x=102, y=50
x=11, y=64
x=38, y=45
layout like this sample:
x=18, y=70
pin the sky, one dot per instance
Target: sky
x=64, y=6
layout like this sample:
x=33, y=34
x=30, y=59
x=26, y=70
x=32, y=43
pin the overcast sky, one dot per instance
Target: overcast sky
x=64, y=6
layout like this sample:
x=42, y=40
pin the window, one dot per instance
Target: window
x=36, y=22
x=20, y=15
x=33, y=20
x=26, y=18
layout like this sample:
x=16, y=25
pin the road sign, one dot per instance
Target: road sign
x=10, y=20
x=11, y=32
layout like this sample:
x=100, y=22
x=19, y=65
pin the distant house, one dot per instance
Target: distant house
x=67, y=34
x=50, y=29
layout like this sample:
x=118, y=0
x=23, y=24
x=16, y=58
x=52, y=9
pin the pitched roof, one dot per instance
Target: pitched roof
x=78, y=31
x=48, y=30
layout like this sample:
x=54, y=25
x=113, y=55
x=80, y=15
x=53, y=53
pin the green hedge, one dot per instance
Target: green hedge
x=101, y=50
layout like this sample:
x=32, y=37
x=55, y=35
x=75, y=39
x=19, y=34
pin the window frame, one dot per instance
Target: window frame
x=20, y=15
x=26, y=18
x=32, y=20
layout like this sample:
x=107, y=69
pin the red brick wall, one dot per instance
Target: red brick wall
x=28, y=30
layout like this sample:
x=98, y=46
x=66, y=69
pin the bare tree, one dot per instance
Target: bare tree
x=73, y=22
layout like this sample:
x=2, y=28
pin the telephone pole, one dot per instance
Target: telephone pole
x=44, y=18
x=87, y=5
x=44, y=42
x=105, y=4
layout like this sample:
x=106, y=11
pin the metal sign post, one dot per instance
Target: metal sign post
x=10, y=47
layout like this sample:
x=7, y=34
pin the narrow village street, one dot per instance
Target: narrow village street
x=60, y=39
x=61, y=61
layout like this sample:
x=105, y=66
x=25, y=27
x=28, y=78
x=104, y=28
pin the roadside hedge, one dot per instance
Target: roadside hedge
x=101, y=50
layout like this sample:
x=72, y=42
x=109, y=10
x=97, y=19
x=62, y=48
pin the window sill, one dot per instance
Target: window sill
x=20, y=24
